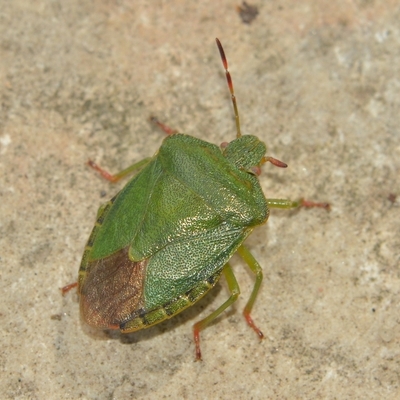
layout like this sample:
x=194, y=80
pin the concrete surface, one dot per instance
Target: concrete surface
x=319, y=81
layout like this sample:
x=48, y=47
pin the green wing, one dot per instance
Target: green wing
x=180, y=266
x=186, y=213
x=152, y=211
x=186, y=190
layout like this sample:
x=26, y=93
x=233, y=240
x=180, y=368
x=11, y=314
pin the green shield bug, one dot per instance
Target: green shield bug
x=166, y=238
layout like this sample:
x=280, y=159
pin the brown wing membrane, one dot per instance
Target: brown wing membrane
x=112, y=290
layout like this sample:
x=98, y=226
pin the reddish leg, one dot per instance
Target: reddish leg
x=133, y=168
x=165, y=128
x=256, y=269
x=310, y=204
x=199, y=326
x=67, y=288
x=115, y=178
x=285, y=203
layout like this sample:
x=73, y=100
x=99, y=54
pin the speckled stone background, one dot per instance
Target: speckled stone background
x=318, y=81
